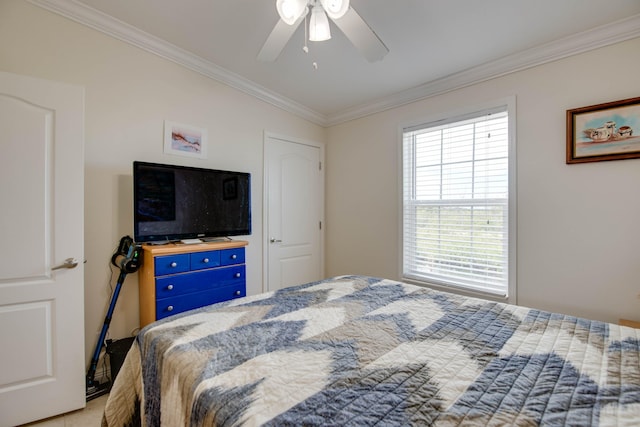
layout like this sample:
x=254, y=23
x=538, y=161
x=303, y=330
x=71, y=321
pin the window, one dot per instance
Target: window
x=456, y=207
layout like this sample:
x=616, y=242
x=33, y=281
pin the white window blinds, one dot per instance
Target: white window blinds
x=455, y=202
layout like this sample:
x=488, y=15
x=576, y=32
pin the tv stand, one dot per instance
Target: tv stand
x=176, y=278
x=159, y=242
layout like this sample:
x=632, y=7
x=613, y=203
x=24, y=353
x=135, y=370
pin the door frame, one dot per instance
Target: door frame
x=265, y=197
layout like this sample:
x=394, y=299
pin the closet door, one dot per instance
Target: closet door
x=294, y=200
x=42, y=365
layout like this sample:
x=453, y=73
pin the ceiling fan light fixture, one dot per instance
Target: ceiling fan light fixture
x=335, y=8
x=291, y=10
x=319, y=25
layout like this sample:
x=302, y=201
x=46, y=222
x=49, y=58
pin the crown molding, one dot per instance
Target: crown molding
x=120, y=30
x=602, y=36
x=619, y=31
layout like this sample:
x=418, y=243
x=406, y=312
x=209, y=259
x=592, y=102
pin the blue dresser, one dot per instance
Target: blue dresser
x=176, y=278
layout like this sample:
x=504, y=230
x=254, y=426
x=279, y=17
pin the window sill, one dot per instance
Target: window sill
x=458, y=290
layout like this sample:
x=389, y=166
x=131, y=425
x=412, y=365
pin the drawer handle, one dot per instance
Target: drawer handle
x=170, y=308
x=237, y=293
x=234, y=256
x=237, y=275
x=174, y=264
x=206, y=260
x=170, y=287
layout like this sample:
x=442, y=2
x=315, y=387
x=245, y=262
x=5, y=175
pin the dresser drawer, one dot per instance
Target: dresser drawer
x=169, y=306
x=201, y=260
x=171, y=264
x=232, y=256
x=178, y=284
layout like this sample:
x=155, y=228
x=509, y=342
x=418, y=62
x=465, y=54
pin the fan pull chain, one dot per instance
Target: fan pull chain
x=305, y=48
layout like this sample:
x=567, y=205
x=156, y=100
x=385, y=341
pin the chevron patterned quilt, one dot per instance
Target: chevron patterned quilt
x=361, y=351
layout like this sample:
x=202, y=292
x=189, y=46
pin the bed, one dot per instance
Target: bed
x=361, y=351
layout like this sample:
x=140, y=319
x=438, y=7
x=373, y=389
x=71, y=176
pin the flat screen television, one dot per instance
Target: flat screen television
x=173, y=203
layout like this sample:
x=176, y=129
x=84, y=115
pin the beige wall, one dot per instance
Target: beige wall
x=578, y=234
x=128, y=95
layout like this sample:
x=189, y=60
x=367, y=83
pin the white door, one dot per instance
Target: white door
x=294, y=200
x=42, y=366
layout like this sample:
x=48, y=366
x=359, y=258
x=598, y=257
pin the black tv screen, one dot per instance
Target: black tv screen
x=180, y=202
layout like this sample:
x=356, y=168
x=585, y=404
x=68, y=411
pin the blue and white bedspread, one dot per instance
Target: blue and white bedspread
x=359, y=351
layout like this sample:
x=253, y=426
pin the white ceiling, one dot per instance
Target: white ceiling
x=434, y=45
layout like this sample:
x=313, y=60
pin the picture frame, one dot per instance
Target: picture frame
x=185, y=140
x=609, y=131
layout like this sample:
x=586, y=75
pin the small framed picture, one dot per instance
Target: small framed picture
x=609, y=131
x=185, y=140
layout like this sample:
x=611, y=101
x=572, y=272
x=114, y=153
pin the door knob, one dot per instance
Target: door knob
x=68, y=263
x=274, y=240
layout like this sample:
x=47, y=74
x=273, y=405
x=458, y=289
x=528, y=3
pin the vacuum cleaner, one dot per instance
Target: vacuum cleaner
x=128, y=258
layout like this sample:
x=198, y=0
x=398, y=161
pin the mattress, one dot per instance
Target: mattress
x=360, y=351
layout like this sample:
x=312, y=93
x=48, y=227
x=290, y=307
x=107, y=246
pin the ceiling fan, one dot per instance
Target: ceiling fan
x=293, y=12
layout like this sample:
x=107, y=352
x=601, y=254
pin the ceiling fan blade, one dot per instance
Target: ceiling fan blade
x=277, y=40
x=361, y=35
